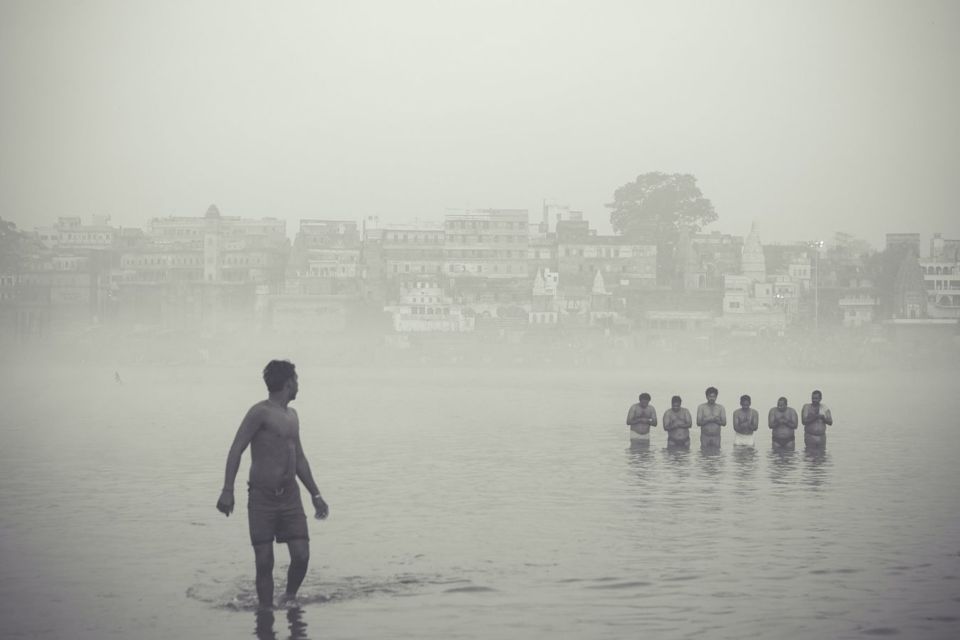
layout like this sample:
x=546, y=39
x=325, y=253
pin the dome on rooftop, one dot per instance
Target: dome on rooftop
x=212, y=212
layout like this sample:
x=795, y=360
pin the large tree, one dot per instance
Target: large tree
x=655, y=207
x=11, y=247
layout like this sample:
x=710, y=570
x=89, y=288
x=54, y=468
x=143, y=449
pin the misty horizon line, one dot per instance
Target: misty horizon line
x=827, y=239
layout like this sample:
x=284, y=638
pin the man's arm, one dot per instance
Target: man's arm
x=306, y=477
x=248, y=428
x=792, y=418
x=723, y=417
x=700, y=416
x=806, y=415
x=667, y=423
x=827, y=417
x=754, y=420
x=631, y=415
x=771, y=418
x=687, y=419
x=653, y=417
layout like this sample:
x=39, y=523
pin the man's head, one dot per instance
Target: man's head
x=644, y=400
x=281, y=376
x=712, y=394
x=745, y=401
x=816, y=397
x=781, y=403
x=675, y=403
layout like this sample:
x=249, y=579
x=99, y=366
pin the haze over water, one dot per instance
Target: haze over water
x=478, y=502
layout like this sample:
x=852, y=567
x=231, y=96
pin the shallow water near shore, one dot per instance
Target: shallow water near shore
x=480, y=503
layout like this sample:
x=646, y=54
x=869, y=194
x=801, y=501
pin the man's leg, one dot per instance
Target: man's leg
x=263, y=554
x=299, y=559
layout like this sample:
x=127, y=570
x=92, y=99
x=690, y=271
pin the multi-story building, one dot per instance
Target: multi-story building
x=188, y=269
x=486, y=243
x=213, y=249
x=325, y=258
x=542, y=253
x=942, y=283
x=70, y=233
x=911, y=240
x=718, y=255
x=943, y=249
x=412, y=250
x=582, y=253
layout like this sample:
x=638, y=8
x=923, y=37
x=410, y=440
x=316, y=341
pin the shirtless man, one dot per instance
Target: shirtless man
x=274, y=508
x=710, y=417
x=640, y=418
x=745, y=423
x=783, y=421
x=677, y=423
x=815, y=416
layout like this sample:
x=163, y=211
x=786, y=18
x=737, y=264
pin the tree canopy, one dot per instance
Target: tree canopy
x=11, y=241
x=657, y=205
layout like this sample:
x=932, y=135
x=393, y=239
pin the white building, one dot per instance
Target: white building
x=423, y=307
x=942, y=283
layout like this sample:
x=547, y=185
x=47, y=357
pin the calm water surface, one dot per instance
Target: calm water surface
x=480, y=504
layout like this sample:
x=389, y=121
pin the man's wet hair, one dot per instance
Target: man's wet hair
x=675, y=399
x=277, y=372
x=745, y=397
x=712, y=390
x=817, y=392
x=784, y=398
x=644, y=396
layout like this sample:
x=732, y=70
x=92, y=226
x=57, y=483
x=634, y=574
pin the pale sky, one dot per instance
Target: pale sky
x=808, y=117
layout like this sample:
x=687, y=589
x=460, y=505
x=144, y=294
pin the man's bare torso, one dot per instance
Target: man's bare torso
x=273, y=450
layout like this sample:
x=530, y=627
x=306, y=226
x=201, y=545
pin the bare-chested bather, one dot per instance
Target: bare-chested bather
x=745, y=423
x=710, y=418
x=274, y=509
x=783, y=423
x=815, y=417
x=677, y=423
x=640, y=418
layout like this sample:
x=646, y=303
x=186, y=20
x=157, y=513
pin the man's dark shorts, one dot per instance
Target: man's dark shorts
x=276, y=516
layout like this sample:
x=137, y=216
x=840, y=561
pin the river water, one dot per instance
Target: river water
x=471, y=503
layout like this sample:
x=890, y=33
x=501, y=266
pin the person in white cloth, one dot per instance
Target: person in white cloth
x=745, y=423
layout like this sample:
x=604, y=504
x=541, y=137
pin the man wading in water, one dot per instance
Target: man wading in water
x=277, y=460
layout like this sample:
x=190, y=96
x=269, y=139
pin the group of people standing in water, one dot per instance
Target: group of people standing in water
x=712, y=417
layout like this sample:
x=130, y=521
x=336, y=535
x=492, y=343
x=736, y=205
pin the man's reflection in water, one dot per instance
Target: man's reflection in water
x=816, y=469
x=746, y=459
x=711, y=461
x=265, y=620
x=677, y=459
x=781, y=464
x=264, y=625
x=640, y=458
